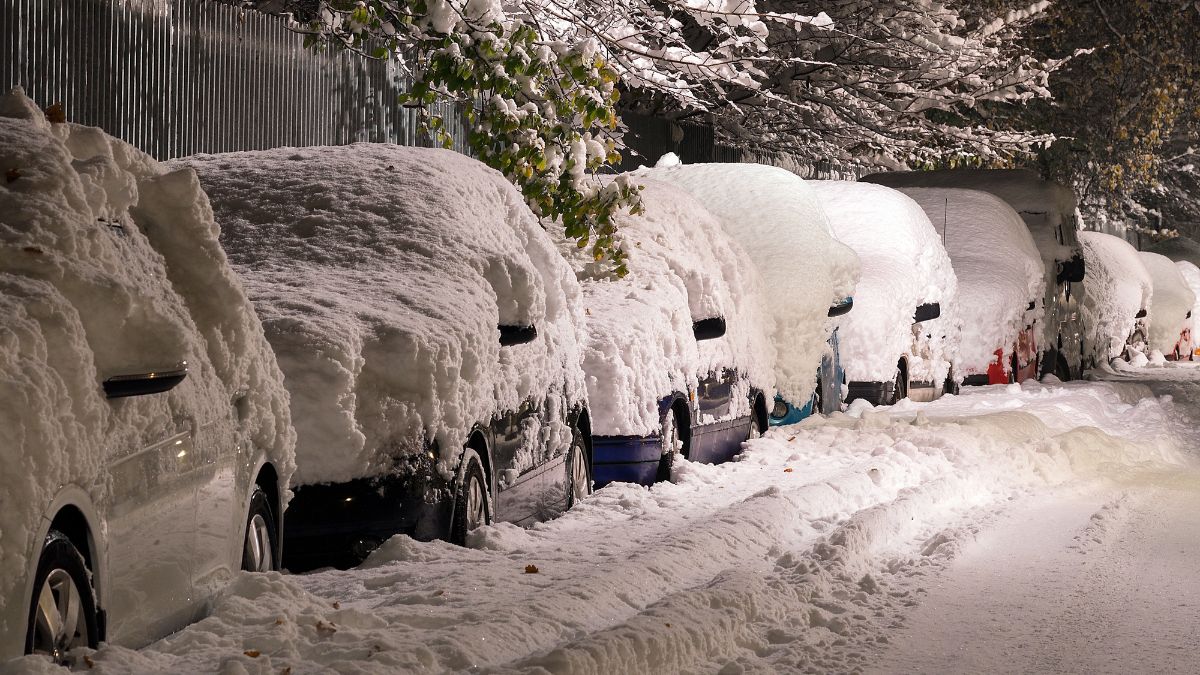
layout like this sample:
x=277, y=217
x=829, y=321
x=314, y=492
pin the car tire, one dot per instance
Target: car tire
x=62, y=614
x=472, y=508
x=261, y=542
x=671, y=440
x=579, y=471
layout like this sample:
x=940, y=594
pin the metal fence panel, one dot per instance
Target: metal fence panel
x=180, y=77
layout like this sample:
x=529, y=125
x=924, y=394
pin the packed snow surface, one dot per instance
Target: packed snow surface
x=1170, y=303
x=640, y=346
x=776, y=217
x=904, y=265
x=381, y=273
x=998, y=268
x=110, y=265
x=1117, y=287
x=806, y=555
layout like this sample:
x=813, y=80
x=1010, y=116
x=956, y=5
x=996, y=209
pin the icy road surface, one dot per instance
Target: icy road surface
x=1019, y=528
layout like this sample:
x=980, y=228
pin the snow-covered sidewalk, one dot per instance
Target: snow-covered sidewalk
x=845, y=543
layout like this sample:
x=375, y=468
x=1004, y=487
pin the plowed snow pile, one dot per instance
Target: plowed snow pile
x=109, y=265
x=801, y=556
x=1117, y=287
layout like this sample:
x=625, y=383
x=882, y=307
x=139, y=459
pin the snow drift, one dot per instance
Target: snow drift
x=776, y=217
x=381, y=273
x=110, y=265
x=640, y=347
x=1117, y=286
x=998, y=268
x=903, y=265
x=1170, y=304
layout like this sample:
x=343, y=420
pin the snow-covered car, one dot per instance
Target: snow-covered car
x=1187, y=341
x=1118, y=290
x=1048, y=210
x=426, y=325
x=808, y=275
x=145, y=436
x=677, y=355
x=895, y=344
x=1000, y=283
x=1170, y=306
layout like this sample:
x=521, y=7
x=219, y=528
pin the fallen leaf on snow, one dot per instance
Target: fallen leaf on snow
x=531, y=569
x=12, y=175
x=252, y=653
x=788, y=470
x=337, y=605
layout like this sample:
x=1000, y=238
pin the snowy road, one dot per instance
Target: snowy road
x=1031, y=528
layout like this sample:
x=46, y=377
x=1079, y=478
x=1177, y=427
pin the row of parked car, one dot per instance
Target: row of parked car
x=383, y=340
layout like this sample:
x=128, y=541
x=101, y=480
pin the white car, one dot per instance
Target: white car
x=1000, y=283
x=428, y=329
x=1188, y=346
x=677, y=355
x=895, y=344
x=145, y=434
x=1118, y=292
x=808, y=275
x=1170, y=306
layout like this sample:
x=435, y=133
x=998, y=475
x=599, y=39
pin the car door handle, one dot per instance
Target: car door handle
x=141, y=384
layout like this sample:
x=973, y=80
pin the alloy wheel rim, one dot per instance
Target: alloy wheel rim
x=476, y=514
x=579, y=475
x=258, y=544
x=59, y=621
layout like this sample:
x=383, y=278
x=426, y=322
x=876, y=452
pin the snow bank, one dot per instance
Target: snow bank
x=381, y=274
x=998, y=268
x=640, y=346
x=798, y=557
x=1117, y=286
x=776, y=217
x=1170, y=304
x=903, y=265
x=110, y=265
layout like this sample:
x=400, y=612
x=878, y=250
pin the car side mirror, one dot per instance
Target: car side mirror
x=708, y=329
x=842, y=307
x=517, y=335
x=1141, y=314
x=1031, y=306
x=1071, y=270
x=141, y=384
x=927, y=311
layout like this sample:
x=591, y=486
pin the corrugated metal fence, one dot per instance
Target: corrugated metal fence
x=178, y=77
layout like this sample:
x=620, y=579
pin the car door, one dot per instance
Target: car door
x=515, y=455
x=220, y=488
x=714, y=403
x=151, y=526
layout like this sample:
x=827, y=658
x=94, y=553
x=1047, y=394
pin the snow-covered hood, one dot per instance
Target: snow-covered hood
x=904, y=265
x=381, y=273
x=776, y=217
x=1170, y=304
x=1116, y=288
x=110, y=265
x=640, y=348
x=998, y=268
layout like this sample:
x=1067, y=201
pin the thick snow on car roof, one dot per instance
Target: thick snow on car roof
x=683, y=267
x=381, y=273
x=998, y=268
x=776, y=217
x=1171, y=302
x=1043, y=204
x=110, y=265
x=903, y=265
x=1117, y=286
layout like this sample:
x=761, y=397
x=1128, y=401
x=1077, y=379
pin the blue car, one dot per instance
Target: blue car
x=827, y=397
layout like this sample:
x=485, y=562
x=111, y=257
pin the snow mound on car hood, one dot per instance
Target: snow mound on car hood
x=903, y=265
x=110, y=265
x=998, y=269
x=1171, y=302
x=776, y=217
x=640, y=347
x=381, y=273
x=1116, y=287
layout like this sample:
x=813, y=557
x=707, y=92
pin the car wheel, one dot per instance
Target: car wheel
x=62, y=615
x=670, y=445
x=262, y=535
x=580, y=471
x=471, y=507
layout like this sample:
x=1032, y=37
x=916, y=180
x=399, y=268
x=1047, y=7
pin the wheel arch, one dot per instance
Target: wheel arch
x=758, y=409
